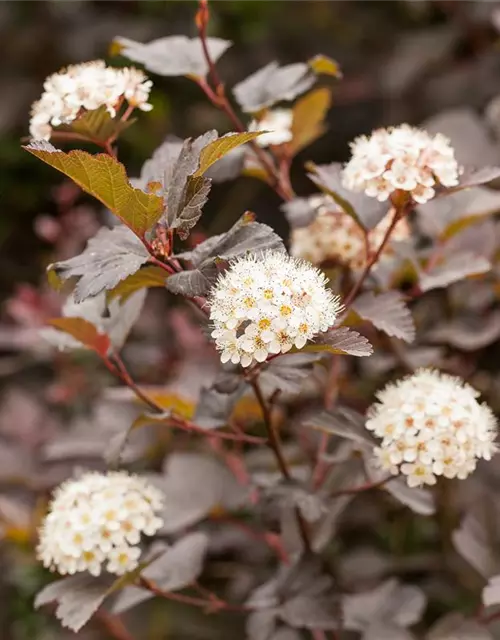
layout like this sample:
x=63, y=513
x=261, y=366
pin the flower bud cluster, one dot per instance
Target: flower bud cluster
x=96, y=522
x=267, y=304
x=401, y=158
x=85, y=87
x=334, y=236
x=431, y=424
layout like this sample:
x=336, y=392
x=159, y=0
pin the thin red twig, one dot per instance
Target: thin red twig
x=278, y=180
x=398, y=214
x=113, y=625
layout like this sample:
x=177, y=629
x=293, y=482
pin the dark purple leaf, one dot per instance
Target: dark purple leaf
x=109, y=257
x=343, y=341
x=388, y=312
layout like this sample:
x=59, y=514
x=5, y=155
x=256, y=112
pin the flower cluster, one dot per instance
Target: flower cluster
x=431, y=425
x=401, y=158
x=266, y=304
x=334, y=236
x=98, y=520
x=278, y=124
x=86, y=86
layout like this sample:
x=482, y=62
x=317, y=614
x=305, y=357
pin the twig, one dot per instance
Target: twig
x=278, y=180
x=117, y=367
x=127, y=379
x=211, y=603
x=398, y=214
x=113, y=625
x=275, y=446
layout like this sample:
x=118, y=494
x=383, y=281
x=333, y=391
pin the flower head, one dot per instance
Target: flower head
x=334, y=236
x=96, y=521
x=278, y=123
x=266, y=305
x=85, y=87
x=431, y=424
x=401, y=158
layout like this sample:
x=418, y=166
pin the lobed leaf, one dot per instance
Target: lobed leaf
x=78, y=597
x=109, y=257
x=245, y=236
x=104, y=178
x=341, y=341
x=173, y=55
x=388, y=312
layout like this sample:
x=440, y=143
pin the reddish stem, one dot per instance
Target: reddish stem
x=211, y=603
x=113, y=625
x=398, y=214
x=219, y=99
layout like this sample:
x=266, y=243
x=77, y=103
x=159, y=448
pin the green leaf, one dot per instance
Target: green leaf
x=104, y=178
x=145, y=278
x=219, y=148
x=324, y=65
x=308, y=115
x=96, y=125
x=341, y=341
x=85, y=332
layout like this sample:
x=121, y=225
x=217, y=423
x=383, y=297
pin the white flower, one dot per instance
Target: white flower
x=85, y=87
x=333, y=236
x=96, y=521
x=278, y=123
x=266, y=305
x=431, y=424
x=401, y=158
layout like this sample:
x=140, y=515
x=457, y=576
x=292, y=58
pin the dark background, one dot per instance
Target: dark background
x=402, y=61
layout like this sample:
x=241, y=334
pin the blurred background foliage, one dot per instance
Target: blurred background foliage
x=401, y=60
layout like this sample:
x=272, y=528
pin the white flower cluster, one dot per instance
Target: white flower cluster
x=334, y=236
x=266, y=304
x=431, y=425
x=401, y=158
x=98, y=520
x=278, y=123
x=87, y=86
